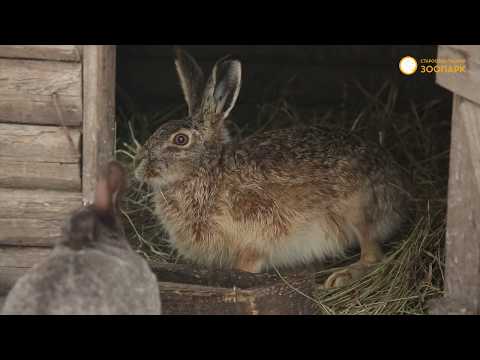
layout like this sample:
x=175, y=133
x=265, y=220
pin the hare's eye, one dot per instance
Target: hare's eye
x=180, y=139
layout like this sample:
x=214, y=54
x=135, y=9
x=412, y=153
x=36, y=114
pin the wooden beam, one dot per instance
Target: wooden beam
x=277, y=299
x=465, y=84
x=38, y=204
x=182, y=273
x=35, y=217
x=42, y=52
x=39, y=175
x=190, y=290
x=39, y=143
x=30, y=232
x=28, y=87
x=39, y=157
x=462, y=273
x=99, y=113
x=473, y=50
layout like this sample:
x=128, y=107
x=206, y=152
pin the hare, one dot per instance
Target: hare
x=93, y=270
x=277, y=199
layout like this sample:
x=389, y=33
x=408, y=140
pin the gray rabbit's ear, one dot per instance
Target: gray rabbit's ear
x=191, y=79
x=223, y=88
x=110, y=185
x=117, y=181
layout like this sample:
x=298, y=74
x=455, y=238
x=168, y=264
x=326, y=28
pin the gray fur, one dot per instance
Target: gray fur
x=92, y=271
x=99, y=281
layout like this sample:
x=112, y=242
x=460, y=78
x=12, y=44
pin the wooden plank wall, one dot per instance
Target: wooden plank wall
x=40, y=159
x=320, y=77
x=462, y=274
x=462, y=263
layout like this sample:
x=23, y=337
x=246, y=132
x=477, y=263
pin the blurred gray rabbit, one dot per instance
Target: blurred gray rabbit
x=93, y=270
x=280, y=198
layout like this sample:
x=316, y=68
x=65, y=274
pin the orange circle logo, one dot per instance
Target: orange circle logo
x=408, y=65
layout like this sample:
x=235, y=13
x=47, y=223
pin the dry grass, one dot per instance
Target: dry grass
x=410, y=275
x=144, y=232
x=418, y=138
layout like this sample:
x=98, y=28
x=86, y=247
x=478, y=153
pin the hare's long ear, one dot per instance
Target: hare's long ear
x=223, y=87
x=191, y=79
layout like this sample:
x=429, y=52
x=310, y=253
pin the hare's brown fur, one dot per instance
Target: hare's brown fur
x=280, y=198
x=255, y=203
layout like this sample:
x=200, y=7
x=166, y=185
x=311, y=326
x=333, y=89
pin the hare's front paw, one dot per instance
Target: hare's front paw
x=345, y=276
x=249, y=261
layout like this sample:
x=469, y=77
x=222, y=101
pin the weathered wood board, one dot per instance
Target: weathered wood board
x=187, y=290
x=462, y=248
x=35, y=217
x=39, y=143
x=42, y=52
x=43, y=175
x=39, y=157
x=470, y=50
x=28, y=88
x=99, y=113
x=30, y=232
x=34, y=204
x=462, y=273
x=466, y=84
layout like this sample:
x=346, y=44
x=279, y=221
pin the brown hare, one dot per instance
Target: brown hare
x=277, y=199
x=93, y=270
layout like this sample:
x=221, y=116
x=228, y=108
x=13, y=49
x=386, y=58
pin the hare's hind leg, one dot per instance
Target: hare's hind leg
x=370, y=254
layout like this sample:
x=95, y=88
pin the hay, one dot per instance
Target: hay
x=410, y=275
x=418, y=138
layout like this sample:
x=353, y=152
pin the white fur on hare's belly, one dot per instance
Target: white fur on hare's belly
x=308, y=242
x=311, y=242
